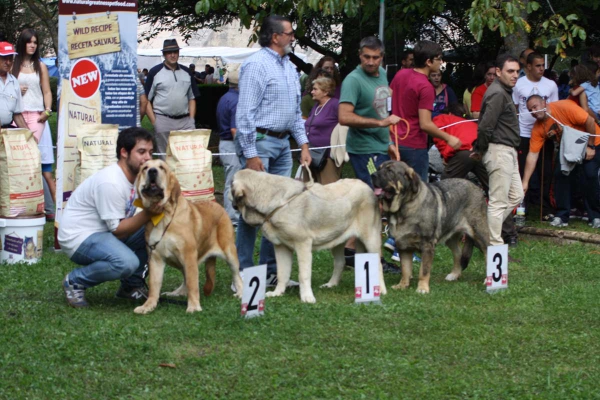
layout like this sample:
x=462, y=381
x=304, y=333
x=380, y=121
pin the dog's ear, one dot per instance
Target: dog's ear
x=174, y=188
x=413, y=179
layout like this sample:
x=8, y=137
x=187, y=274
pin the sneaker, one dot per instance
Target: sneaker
x=548, y=217
x=138, y=293
x=512, y=241
x=595, y=223
x=390, y=244
x=390, y=268
x=349, y=256
x=416, y=258
x=557, y=222
x=75, y=294
x=396, y=256
x=272, y=281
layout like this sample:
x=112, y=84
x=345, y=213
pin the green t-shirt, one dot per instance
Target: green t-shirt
x=369, y=95
x=306, y=104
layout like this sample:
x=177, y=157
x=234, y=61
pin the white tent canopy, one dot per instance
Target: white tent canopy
x=229, y=55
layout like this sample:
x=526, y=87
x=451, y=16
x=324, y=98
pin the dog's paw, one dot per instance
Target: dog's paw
x=401, y=286
x=452, y=277
x=308, y=298
x=237, y=295
x=328, y=285
x=273, y=293
x=423, y=290
x=193, y=309
x=143, y=310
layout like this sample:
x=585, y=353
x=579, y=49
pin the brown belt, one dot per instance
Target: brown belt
x=278, y=135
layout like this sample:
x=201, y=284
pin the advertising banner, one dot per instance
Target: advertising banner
x=97, y=63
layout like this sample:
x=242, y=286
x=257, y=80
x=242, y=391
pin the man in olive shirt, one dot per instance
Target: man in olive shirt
x=498, y=138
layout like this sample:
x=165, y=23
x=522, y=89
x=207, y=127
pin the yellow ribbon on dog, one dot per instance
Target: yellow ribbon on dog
x=155, y=218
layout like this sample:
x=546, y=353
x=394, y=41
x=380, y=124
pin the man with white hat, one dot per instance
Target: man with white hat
x=11, y=104
x=171, y=100
x=226, y=109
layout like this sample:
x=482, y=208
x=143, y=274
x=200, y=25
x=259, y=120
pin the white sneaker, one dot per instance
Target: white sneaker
x=557, y=222
x=272, y=281
x=233, y=289
x=595, y=223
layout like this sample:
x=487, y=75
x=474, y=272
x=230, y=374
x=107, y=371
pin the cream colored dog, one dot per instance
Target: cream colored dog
x=187, y=235
x=302, y=218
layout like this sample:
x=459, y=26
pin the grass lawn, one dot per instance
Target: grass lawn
x=539, y=339
x=536, y=340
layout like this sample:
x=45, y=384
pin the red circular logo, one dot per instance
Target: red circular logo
x=85, y=78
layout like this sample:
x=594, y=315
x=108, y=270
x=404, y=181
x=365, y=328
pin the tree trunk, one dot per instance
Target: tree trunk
x=570, y=235
x=515, y=43
x=48, y=17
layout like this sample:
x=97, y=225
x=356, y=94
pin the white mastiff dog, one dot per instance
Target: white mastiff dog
x=304, y=217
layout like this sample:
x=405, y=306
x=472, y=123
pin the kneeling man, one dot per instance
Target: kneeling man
x=99, y=230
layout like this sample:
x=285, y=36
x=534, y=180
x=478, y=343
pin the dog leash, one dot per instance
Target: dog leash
x=306, y=187
x=153, y=246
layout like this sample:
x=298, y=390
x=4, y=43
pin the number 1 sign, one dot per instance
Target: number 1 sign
x=497, y=268
x=253, y=296
x=366, y=278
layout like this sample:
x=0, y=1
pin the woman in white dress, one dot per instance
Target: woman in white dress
x=37, y=99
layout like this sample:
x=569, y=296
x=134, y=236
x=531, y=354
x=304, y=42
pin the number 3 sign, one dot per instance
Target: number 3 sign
x=497, y=268
x=253, y=296
x=366, y=278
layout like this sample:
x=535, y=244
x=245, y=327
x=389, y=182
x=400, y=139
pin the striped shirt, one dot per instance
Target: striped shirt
x=269, y=99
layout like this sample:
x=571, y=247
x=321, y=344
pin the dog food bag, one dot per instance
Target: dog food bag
x=21, y=190
x=189, y=157
x=97, y=146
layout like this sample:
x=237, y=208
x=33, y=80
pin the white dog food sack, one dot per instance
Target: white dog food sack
x=189, y=157
x=97, y=146
x=21, y=190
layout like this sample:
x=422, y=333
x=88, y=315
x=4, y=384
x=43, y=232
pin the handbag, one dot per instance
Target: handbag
x=319, y=156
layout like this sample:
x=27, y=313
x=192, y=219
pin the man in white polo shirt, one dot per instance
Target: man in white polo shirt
x=11, y=104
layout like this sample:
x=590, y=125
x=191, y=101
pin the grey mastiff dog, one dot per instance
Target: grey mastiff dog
x=421, y=215
x=305, y=217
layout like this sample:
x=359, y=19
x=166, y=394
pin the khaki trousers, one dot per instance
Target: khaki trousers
x=506, y=190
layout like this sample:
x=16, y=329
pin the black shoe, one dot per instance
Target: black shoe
x=512, y=241
x=349, y=255
x=390, y=268
x=135, y=294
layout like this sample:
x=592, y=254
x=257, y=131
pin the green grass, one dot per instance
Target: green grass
x=538, y=339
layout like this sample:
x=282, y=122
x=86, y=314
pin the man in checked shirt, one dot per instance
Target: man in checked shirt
x=268, y=112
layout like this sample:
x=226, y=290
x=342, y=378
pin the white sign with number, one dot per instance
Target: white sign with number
x=253, y=296
x=366, y=278
x=497, y=268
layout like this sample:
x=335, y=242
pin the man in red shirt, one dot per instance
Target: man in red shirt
x=412, y=99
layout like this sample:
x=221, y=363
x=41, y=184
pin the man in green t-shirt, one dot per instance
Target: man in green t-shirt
x=364, y=107
x=365, y=103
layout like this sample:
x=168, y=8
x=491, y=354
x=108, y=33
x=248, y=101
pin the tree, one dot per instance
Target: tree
x=16, y=15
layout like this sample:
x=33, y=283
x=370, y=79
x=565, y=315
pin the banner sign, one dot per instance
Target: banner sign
x=97, y=59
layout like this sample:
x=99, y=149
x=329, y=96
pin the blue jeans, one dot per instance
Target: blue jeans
x=359, y=164
x=590, y=188
x=417, y=159
x=277, y=160
x=231, y=165
x=106, y=258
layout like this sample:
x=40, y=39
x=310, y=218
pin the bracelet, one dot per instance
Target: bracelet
x=48, y=112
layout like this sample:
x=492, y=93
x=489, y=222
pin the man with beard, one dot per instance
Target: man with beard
x=99, y=230
x=268, y=113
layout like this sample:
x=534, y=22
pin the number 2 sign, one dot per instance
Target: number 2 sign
x=497, y=268
x=253, y=296
x=366, y=278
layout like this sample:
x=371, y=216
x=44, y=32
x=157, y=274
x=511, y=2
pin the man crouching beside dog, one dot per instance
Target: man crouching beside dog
x=99, y=230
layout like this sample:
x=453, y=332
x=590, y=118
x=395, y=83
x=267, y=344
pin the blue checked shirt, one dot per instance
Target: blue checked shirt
x=269, y=98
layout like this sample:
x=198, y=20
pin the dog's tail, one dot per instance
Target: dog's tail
x=467, y=252
x=209, y=286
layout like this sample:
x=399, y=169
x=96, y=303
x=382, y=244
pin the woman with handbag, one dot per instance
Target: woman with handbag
x=323, y=118
x=34, y=80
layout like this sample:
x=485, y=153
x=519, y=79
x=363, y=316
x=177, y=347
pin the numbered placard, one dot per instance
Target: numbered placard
x=253, y=296
x=497, y=268
x=366, y=278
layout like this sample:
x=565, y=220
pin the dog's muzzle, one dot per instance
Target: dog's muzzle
x=151, y=188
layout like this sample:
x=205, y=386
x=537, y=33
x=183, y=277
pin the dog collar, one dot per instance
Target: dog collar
x=155, y=218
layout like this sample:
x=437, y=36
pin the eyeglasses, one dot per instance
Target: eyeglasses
x=289, y=34
x=439, y=58
x=7, y=59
